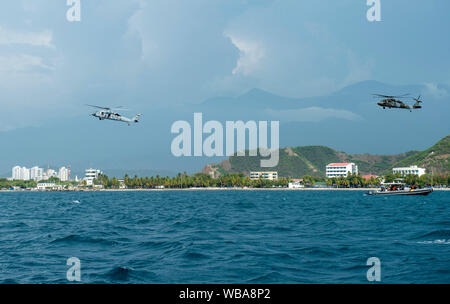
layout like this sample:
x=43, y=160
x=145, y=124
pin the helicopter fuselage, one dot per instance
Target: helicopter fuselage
x=393, y=103
x=103, y=114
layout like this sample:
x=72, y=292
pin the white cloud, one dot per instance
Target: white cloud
x=311, y=114
x=22, y=63
x=11, y=37
x=250, y=55
x=358, y=69
x=435, y=91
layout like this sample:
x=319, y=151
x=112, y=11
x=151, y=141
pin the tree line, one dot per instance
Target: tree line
x=8, y=184
x=201, y=180
x=183, y=180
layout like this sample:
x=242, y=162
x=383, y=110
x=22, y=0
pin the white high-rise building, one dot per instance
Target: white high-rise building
x=20, y=173
x=63, y=174
x=341, y=169
x=36, y=173
x=16, y=173
x=25, y=174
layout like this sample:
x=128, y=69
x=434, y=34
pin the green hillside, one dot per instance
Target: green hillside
x=311, y=160
x=434, y=159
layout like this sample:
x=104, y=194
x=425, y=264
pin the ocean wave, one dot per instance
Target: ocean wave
x=119, y=273
x=193, y=255
x=273, y=276
x=442, y=241
x=438, y=234
x=125, y=274
x=74, y=239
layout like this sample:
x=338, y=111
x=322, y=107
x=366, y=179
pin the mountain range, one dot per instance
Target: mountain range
x=312, y=160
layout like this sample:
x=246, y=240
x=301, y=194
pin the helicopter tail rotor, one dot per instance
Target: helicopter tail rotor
x=417, y=104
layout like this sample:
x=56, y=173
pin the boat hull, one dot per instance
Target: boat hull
x=425, y=191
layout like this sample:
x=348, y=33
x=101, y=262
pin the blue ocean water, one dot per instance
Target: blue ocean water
x=224, y=237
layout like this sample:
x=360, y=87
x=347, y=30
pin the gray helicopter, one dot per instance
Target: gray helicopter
x=111, y=114
x=395, y=102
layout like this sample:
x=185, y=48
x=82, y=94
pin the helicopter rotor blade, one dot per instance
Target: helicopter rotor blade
x=120, y=108
x=379, y=95
x=391, y=96
x=99, y=107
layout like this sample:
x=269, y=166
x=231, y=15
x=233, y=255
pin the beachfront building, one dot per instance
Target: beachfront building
x=63, y=174
x=409, y=170
x=341, y=169
x=296, y=183
x=49, y=186
x=90, y=175
x=122, y=184
x=270, y=175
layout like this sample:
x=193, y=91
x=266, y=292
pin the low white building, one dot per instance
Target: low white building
x=295, y=185
x=409, y=170
x=269, y=175
x=49, y=186
x=50, y=173
x=122, y=184
x=341, y=169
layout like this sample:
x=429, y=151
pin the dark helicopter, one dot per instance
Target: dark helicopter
x=395, y=102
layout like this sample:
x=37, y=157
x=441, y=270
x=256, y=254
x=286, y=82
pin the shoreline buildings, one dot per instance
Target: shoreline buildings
x=38, y=174
x=20, y=173
x=63, y=174
x=341, y=169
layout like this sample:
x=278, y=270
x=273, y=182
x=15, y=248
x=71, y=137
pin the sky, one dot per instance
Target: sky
x=159, y=52
x=156, y=54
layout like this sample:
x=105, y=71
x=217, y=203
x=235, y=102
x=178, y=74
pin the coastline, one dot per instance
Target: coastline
x=206, y=189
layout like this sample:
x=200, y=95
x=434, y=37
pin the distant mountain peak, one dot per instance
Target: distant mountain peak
x=376, y=87
x=256, y=92
x=366, y=85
